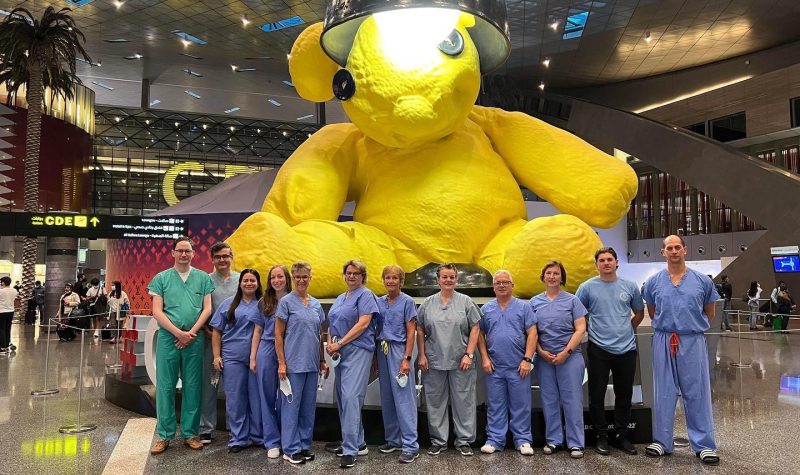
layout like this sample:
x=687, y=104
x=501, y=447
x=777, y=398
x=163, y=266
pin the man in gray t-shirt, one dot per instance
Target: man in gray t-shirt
x=615, y=309
x=226, y=282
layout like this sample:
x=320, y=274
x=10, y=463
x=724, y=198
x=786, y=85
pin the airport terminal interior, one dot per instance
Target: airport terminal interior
x=493, y=134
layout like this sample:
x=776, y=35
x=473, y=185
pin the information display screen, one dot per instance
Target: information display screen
x=92, y=226
x=786, y=263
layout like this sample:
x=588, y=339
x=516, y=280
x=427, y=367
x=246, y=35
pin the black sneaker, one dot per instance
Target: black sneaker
x=388, y=448
x=235, y=449
x=205, y=438
x=333, y=447
x=339, y=451
x=3, y=351
x=12, y=347
x=602, y=446
x=348, y=461
x=465, y=450
x=294, y=459
x=408, y=457
x=307, y=454
x=435, y=449
x=625, y=445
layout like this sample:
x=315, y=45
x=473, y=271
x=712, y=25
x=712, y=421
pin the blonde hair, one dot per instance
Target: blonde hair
x=394, y=269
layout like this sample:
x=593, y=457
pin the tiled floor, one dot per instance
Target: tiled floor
x=756, y=422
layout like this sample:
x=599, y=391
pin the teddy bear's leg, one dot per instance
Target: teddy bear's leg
x=265, y=239
x=527, y=247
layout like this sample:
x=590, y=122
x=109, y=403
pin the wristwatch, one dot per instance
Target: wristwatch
x=470, y=355
x=569, y=351
x=408, y=357
x=527, y=360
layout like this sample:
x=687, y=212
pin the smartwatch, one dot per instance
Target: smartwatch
x=408, y=358
x=470, y=355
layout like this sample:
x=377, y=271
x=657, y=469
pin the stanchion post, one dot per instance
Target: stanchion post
x=739, y=341
x=79, y=428
x=45, y=391
x=116, y=365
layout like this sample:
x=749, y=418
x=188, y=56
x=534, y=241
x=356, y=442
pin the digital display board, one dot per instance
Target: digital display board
x=786, y=263
x=92, y=226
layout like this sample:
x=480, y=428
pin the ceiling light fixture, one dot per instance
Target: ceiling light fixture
x=186, y=43
x=103, y=85
x=647, y=37
x=554, y=25
x=192, y=73
x=693, y=94
x=232, y=110
x=306, y=117
x=118, y=4
x=546, y=62
x=244, y=70
x=154, y=102
x=192, y=94
x=274, y=102
x=288, y=83
x=191, y=56
x=234, y=67
x=541, y=86
x=245, y=21
x=489, y=33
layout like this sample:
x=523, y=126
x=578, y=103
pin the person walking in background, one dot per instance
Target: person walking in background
x=181, y=306
x=681, y=303
x=118, y=307
x=226, y=282
x=725, y=291
x=752, y=302
x=785, y=305
x=773, y=297
x=38, y=299
x=7, y=297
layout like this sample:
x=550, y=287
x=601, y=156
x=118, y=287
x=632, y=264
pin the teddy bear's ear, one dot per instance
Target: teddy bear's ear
x=311, y=69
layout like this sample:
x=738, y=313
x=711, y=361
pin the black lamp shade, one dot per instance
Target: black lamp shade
x=490, y=33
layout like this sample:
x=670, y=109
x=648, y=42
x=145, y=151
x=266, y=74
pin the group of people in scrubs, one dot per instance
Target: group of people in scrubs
x=268, y=343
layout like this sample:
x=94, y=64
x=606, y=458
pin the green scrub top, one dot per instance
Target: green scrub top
x=183, y=301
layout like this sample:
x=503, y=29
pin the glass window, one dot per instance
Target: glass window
x=731, y=127
x=794, y=106
x=699, y=128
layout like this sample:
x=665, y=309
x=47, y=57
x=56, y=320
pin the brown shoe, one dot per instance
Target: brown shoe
x=159, y=447
x=194, y=443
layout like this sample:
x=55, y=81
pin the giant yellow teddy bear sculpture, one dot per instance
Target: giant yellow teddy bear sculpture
x=435, y=178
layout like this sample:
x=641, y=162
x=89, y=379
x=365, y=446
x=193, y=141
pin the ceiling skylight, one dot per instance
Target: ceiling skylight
x=189, y=37
x=193, y=94
x=280, y=25
x=103, y=85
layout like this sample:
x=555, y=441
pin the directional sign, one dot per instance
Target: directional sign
x=92, y=226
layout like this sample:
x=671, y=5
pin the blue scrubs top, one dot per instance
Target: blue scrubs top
x=610, y=305
x=555, y=319
x=393, y=318
x=344, y=314
x=267, y=322
x=236, y=337
x=301, y=340
x=679, y=308
x=507, y=331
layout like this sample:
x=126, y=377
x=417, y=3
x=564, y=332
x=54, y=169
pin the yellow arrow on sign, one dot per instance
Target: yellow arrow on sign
x=94, y=221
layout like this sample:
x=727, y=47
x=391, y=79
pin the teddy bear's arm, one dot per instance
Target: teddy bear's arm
x=313, y=183
x=572, y=175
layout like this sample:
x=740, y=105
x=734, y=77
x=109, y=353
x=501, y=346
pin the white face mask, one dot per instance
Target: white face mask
x=335, y=360
x=402, y=380
x=286, y=388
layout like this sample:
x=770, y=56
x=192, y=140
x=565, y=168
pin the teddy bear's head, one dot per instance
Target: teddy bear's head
x=400, y=87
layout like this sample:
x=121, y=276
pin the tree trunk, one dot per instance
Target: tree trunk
x=33, y=96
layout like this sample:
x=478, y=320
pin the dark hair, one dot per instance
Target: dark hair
x=753, y=289
x=38, y=282
x=555, y=264
x=182, y=239
x=238, y=297
x=218, y=246
x=66, y=284
x=270, y=300
x=723, y=277
x=6, y=280
x=605, y=250
x=95, y=281
x=358, y=265
x=116, y=289
x=446, y=265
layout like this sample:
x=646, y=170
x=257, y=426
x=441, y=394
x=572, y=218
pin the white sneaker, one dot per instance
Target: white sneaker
x=526, y=449
x=488, y=449
x=274, y=453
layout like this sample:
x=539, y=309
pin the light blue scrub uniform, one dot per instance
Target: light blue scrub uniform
x=267, y=378
x=208, y=411
x=301, y=351
x=242, y=401
x=398, y=405
x=680, y=356
x=562, y=385
x=352, y=373
x=506, y=333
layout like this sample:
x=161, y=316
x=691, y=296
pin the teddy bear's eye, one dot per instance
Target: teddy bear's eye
x=453, y=45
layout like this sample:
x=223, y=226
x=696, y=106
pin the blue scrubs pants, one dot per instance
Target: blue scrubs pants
x=562, y=386
x=686, y=374
x=267, y=376
x=352, y=376
x=242, y=403
x=398, y=405
x=508, y=393
x=298, y=411
x=208, y=408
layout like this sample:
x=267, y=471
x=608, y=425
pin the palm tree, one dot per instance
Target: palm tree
x=38, y=54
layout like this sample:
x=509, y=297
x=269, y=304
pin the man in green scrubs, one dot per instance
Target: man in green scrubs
x=181, y=306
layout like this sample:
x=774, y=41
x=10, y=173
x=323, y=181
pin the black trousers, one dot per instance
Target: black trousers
x=5, y=328
x=623, y=368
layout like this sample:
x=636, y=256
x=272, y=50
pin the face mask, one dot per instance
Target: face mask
x=286, y=388
x=335, y=360
x=402, y=380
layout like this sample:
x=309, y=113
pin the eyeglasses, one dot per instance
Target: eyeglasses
x=183, y=251
x=223, y=257
x=301, y=277
x=352, y=274
x=502, y=283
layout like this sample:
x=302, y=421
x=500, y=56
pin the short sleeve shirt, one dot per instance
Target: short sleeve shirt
x=679, y=308
x=345, y=312
x=237, y=336
x=393, y=317
x=223, y=288
x=183, y=301
x=267, y=322
x=506, y=331
x=446, y=328
x=556, y=319
x=301, y=340
x=610, y=305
